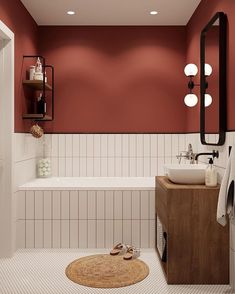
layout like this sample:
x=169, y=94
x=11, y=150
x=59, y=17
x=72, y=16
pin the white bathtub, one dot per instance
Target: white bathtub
x=93, y=183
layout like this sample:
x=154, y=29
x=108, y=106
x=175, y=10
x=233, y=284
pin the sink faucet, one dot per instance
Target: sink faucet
x=189, y=155
x=213, y=154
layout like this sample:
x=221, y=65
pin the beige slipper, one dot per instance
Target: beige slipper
x=132, y=253
x=119, y=249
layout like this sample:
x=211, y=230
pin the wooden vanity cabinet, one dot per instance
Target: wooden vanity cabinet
x=197, y=246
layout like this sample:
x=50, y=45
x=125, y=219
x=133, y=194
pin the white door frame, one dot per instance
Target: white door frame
x=7, y=202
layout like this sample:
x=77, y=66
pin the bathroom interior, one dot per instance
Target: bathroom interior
x=117, y=150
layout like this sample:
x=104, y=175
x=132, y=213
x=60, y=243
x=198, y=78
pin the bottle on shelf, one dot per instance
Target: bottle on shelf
x=38, y=70
x=41, y=104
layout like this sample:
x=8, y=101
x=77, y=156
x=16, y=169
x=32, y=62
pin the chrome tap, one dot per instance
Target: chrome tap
x=189, y=155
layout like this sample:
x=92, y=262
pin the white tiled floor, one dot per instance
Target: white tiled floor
x=39, y=271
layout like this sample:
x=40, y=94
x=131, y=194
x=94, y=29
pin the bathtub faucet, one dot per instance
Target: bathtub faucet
x=189, y=155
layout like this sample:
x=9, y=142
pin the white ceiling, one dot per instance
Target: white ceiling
x=111, y=12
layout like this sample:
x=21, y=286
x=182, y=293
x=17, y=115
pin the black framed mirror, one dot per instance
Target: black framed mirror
x=213, y=90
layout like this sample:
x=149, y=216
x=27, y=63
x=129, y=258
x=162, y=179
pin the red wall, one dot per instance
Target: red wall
x=117, y=79
x=16, y=17
x=202, y=15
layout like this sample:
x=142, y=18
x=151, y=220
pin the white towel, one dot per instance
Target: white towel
x=226, y=193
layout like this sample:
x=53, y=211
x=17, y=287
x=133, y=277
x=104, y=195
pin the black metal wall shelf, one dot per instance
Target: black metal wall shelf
x=38, y=85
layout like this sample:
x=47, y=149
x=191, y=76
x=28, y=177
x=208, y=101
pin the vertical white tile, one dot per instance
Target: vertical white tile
x=29, y=234
x=20, y=234
x=76, y=167
x=133, y=167
x=140, y=166
x=152, y=205
x=161, y=171
x=83, y=167
x=125, y=145
x=97, y=167
x=108, y=204
x=147, y=167
x=64, y=243
x=154, y=167
x=91, y=234
x=111, y=145
x=68, y=145
x=152, y=233
x=47, y=205
x=38, y=205
x=61, y=145
x=20, y=205
x=127, y=203
x=175, y=145
x=74, y=205
x=111, y=166
x=182, y=143
x=144, y=237
x=91, y=205
x=61, y=167
x=135, y=204
x=90, y=145
x=118, y=145
x=64, y=205
x=147, y=145
x=132, y=145
x=160, y=145
x=69, y=167
x=56, y=205
x=47, y=234
x=118, y=205
x=139, y=145
x=76, y=146
x=83, y=208
x=168, y=143
x=55, y=166
x=73, y=233
x=144, y=205
x=118, y=167
x=97, y=143
x=127, y=233
x=108, y=233
x=117, y=232
x=125, y=167
x=83, y=145
x=56, y=234
x=55, y=145
x=82, y=231
x=90, y=167
x=29, y=204
x=135, y=233
x=154, y=144
x=104, y=167
x=39, y=234
x=100, y=200
x=100, y=234
x=104, y=145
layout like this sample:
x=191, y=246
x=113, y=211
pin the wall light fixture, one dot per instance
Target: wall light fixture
x=191, y=71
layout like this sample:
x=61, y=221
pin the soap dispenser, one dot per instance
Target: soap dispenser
x=211, y=175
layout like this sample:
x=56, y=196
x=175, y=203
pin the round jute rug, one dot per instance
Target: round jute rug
x=106, y=271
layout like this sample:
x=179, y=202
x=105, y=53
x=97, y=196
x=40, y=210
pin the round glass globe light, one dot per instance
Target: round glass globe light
x=208, y=69
x=190, y=70
x=190, y=100
x=208, y=100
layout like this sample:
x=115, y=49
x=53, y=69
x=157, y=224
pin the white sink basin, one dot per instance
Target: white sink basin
x=186, y=173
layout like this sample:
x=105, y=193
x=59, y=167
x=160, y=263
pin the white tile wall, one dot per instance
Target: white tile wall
x=86, y=219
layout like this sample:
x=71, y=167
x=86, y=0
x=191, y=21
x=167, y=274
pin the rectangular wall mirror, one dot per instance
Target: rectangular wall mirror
x=213, y=81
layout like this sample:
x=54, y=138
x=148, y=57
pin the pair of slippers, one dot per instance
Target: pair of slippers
x=128, y=252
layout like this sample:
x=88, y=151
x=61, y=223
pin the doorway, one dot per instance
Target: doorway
x=7, y=230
